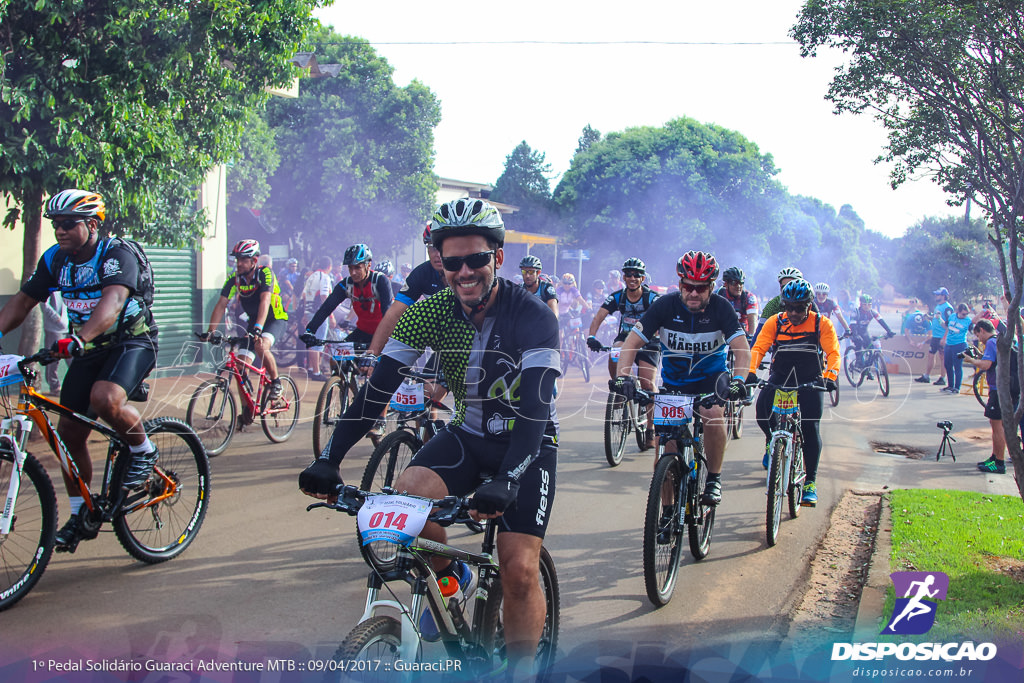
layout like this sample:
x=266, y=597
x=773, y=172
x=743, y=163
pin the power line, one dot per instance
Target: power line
x=573, y=42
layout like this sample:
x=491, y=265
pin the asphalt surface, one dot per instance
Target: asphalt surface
x=267, y=580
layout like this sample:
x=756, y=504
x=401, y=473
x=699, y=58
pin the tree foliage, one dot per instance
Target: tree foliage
x=946, y=252
x=524, y=183
x=356, y=152
x=588, y=137
x=135, y=98
x=946, y=78
x=248, y=177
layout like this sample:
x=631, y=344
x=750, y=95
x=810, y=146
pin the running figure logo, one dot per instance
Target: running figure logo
x=914, y=612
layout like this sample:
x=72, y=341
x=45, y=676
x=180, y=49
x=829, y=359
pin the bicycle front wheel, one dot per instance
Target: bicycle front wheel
x=389, y=459
x=883, y=374
x=211, y=413
x=773, y=516
x=582, y=358
x=617, y=426
x=853, y=376
x=159, y=519
x=25, y=550
x=663, y=532
x=278, y=416
x=330, y=405
x=981, y=389
x=833, y=396
x=370, y=651
x=797, y=475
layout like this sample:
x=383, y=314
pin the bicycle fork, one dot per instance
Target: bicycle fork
x=785, y=436
x=19, y=425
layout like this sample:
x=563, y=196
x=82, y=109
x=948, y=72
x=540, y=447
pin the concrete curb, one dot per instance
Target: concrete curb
x=872, y=598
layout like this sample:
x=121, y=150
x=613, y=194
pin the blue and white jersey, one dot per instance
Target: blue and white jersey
x=694, y=345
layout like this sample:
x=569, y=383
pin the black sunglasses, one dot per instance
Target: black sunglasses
x=695, y=288
x=632, y=273
x=795, y=308
x=453, y=264
x=66, y=224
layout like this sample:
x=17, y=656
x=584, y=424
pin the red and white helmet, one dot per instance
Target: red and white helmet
x=699, y=266
x=249, y=248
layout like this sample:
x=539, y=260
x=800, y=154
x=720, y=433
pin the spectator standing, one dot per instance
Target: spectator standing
x=940, y=316
x=956, y=343
x=986, y=331
x=55, y=326
x=314, y=292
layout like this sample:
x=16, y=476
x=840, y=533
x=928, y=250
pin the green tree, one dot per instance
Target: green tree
x=683, y=186
x=248, y=178
x=587, y=138
x=357, y=153
x=946, y=78
x=524, y=183
x=137, y=99
x=946, y=252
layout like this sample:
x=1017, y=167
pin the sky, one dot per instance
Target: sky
x=738, y=69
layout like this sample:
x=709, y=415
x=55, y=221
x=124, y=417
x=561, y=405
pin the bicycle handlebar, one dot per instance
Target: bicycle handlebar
x=765, y=384
x=356, y=346
x=449, y=510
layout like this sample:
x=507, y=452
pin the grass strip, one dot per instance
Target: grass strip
x=977, y=540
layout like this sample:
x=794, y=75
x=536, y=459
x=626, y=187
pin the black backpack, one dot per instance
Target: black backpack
x=146, y=287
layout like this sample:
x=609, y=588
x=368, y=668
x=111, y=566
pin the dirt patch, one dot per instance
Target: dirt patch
x=839, y=570
x=911, y=452
x=1009, y=566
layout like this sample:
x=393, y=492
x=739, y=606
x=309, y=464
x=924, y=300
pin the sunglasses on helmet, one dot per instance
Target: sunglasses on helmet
x=453, y=264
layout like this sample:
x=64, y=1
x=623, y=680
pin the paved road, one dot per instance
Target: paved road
x=265, y=579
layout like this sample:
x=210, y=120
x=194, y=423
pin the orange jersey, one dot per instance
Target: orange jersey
x=797, y=354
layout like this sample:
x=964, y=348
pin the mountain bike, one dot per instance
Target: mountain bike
x=213, y=413
x=574, y=347
x=786, y=471
x=673, y=502
x=857, y=365
x=154, y=521
x=338, y=391
x=734, y=409
x=470, y=629
x=621, y=418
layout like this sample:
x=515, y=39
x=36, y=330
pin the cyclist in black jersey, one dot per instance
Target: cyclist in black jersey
x=260, y=296
x=631, y=303
x=859, y=334
x=499, y=351
x=828, y=307
x=695, y=329
x=743, y=302
x=530, y=268
x=111, y=337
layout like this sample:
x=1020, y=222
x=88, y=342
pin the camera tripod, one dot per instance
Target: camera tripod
x=946, y=445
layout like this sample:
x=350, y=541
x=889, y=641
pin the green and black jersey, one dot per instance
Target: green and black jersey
x=482, y=367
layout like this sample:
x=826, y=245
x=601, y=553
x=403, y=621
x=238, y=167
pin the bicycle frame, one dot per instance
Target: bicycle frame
x=236, y=366
x=786, y=429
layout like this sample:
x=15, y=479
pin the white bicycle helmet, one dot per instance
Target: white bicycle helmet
x=790, y=272
x=821, y=288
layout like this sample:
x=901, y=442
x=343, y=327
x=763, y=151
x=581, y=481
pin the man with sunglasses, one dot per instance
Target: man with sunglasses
x=631, y=302
x=694, y=330
x=499, y=351
x=801, y=338
x=774, y=305
x=530, y=267
x=744, y=302
x=111, y=339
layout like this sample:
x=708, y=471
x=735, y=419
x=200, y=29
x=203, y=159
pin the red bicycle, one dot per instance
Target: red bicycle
x=213, y=412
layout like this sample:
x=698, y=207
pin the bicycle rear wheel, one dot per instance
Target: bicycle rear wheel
x=492, y=639
x=331, y=404
x=617, y=426
x=26, y=550
x=773, y=516
x=159, y=519
x=211, y=413
x=883, y=374
x=663, y=532
x=797, y=475
x=278, y=416
x=701, y=524
x=370, y=651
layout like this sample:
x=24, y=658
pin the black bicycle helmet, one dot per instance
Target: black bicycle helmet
x=733, y=274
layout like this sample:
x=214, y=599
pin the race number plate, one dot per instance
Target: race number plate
x=785, y=402
x=9, y=373
x=343, y=351
x=672, y=409
x=408, y=398
x=394, y=519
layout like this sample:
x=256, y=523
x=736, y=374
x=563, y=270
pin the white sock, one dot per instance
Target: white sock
x=144, y=447
x=75, y=503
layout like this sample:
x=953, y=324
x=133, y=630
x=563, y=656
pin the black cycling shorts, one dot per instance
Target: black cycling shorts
x=273, y=330
x=464, y=461
x=936, y=345
x=125, y=364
